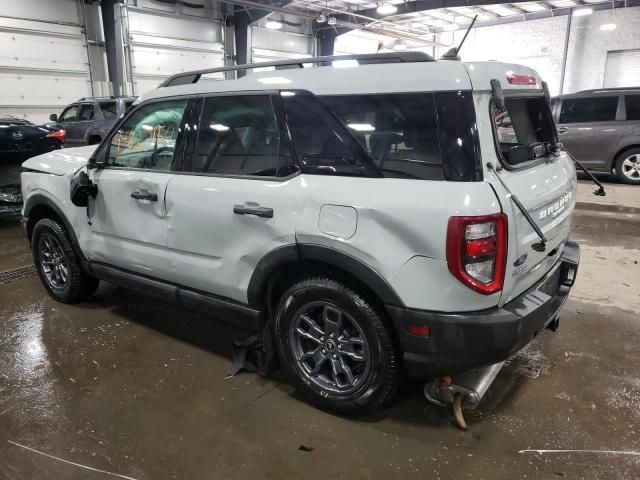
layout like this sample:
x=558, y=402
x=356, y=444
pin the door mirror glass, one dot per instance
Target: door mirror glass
x=53, y=117
x=148, y=138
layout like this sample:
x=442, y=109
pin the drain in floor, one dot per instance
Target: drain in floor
x=19, y=273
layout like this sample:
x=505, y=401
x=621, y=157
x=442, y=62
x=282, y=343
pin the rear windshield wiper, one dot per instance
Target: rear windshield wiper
x=540, y=246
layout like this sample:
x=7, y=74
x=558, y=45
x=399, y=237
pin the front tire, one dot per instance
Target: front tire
x=335, y=346
x=628, y=167
x=58, y=264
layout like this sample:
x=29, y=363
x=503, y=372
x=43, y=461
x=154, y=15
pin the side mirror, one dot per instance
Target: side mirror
x=81, y=189
x=53, y=117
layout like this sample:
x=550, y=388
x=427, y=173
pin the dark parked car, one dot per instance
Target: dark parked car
x=88, y=120
x=21, y=139
x=601, y=128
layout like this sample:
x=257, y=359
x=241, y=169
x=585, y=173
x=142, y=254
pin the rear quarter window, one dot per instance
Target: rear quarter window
x=632, y=106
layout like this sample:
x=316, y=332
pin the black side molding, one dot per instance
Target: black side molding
x=223, y=309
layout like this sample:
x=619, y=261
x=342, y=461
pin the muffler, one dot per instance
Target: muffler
x=463, y=391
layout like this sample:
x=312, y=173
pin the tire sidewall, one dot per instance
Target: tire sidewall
x=47, y=226
x=363, y=314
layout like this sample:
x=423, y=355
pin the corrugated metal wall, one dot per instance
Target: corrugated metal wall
x=43, y=59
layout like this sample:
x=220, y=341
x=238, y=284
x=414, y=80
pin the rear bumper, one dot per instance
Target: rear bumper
x=462, y=341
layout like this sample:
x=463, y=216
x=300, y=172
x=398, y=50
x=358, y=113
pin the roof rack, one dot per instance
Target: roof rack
x=604, y=90
x=194, y=76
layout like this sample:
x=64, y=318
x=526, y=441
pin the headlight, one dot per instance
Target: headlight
x=11, y=197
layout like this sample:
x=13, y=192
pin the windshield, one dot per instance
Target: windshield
x=524, y=130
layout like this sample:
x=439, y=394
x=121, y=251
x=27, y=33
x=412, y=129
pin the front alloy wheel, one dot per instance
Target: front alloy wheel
x=53, y=262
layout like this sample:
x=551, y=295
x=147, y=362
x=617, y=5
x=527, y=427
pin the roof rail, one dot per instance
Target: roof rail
x=194, y=76
x=604, y=90
x=97, y=98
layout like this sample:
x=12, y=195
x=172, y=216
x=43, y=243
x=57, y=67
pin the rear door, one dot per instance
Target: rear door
x=589, y=129
x=237, y=196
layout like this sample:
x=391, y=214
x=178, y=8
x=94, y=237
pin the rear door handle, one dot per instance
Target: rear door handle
x=264, y=212
x=563, y=129
x=152, y=197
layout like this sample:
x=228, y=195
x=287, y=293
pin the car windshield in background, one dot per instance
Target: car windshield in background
x=399, y=131
x=524, y=130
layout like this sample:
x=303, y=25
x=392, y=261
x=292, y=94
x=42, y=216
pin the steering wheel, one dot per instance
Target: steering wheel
x=165, y=153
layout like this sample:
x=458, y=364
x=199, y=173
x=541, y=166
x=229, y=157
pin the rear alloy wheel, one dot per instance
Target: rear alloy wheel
x=335, y=346
x=628, y=167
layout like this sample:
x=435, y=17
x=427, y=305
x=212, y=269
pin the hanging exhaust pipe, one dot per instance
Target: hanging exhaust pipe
x=463, y=391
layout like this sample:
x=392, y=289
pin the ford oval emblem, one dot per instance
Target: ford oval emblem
x=520, y=260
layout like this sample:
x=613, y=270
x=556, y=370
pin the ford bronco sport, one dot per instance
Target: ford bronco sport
x=374, y=219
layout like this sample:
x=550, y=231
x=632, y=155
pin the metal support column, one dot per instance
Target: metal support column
x=113, y=35
x=326, y=38
x=565, y=53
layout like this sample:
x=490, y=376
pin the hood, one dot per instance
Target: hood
x=60, y=162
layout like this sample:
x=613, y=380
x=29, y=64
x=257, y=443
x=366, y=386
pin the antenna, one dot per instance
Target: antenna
x=452, y=53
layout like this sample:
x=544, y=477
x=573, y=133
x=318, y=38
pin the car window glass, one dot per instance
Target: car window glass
x=109, y=110
x=239, y=135
x=147, y=139
x=86, y=113
x=632, y=106
x=398, y=130
x=594, y=109
x=320, y=148
x=69, y=115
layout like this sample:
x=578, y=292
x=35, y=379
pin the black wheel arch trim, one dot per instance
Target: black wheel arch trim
x=39, y=199
x=287, y=254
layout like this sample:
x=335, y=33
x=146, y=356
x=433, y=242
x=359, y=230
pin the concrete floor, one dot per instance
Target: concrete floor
x=127, y=387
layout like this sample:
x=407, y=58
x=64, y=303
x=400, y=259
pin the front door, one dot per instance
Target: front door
x=69, y=119
x=128, y=215
x=237, y=197
x=589, y=130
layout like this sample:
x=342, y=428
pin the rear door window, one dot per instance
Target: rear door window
x=239, y=135
x=632, y=104
x=86, y=112
x=585, y=110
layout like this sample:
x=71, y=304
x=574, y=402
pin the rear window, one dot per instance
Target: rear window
x=584, y=110
x=632, y=106
x=524, y=130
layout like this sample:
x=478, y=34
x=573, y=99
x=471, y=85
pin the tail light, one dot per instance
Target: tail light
x=60, y=135
x=477, y=251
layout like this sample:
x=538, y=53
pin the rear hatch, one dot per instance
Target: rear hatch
x=518, y=139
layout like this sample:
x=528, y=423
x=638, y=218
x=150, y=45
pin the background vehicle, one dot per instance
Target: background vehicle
x=309, y=202
x=601, y=128
x=88, y=120
x=21, y=139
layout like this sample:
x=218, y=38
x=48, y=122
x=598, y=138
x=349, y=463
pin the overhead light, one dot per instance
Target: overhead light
x=345, y=63
x=581, y=12
x=361, y=127
x=218, y=127
x=322, y=18
x=400, y=46
x=450, y=27
x=273, y=25
x=331, y=20
x=273, y=80
x=386, y=9
x=607, y=27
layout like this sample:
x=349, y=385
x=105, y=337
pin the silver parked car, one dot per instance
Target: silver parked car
x=601, y=128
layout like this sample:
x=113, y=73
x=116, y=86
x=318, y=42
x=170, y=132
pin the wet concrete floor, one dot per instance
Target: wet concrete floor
x=126, y=387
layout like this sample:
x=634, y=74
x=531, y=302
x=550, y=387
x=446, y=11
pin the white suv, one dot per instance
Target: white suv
x=369, y=213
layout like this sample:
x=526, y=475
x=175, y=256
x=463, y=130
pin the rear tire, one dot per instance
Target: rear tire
x=58, y=264
x=628, y=166
x=335, y=347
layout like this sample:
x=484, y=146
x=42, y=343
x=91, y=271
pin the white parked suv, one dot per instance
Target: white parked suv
x=369, y=212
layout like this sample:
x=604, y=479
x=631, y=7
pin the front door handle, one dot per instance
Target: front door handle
x=563, y=129
x=152, y=197
x=264, y=212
